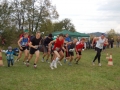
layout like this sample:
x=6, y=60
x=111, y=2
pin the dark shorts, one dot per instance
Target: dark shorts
x=68, y=54
x=45, y=49
x=79, y=52
x=24, y=48
x=32, y=50
x=41, y=48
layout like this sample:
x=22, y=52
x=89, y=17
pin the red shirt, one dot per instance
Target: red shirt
x=79, y=46
x=94, y=42
x=23, y=35
x=58, y=44
x=105, y=44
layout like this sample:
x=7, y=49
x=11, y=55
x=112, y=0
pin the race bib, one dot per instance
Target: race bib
x=71, y=50
x=57, y=49
x=36, y=46
x=79, y=49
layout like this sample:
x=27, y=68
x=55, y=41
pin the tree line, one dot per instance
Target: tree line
x=34, y=15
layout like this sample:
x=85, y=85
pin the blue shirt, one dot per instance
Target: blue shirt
x=67, y=39
x=24, y=42
x=10, y=55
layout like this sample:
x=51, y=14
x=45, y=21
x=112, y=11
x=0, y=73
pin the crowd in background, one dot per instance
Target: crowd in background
x=111, y=42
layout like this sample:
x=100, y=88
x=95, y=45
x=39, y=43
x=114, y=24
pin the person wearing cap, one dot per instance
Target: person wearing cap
x=23, y=46
x=100, y=41
x=35, y=48
x=10, y=56
x=45, y=46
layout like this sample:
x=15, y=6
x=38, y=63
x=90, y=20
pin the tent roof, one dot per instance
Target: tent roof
x=63, y=32
x=72, y=34
x=81, y=34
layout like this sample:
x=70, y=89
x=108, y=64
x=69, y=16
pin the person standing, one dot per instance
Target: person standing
x=67, y=38
x=111, y=42
x=118, y=41
x=10, y=56
x=34, y=48
x=100, y=41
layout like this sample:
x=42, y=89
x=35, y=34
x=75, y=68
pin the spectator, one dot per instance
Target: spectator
x=67, y=38
x=118, y=41
x=111, y=42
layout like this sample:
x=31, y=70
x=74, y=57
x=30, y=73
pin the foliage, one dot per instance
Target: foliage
x=64, y=24
x=34, y=15
x=112, y=34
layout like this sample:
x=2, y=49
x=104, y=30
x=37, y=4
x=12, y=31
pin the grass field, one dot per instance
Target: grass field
x=76, y=77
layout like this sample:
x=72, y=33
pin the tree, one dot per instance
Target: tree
x=64, y=24
x=46, y=27
x=111, y=33
x=17, y=15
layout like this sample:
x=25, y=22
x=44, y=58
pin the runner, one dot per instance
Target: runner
x=99, y=46
x=57, y=50
x=34, y=48
x=70, y=47
x=46, y=51
x=79, y=47
x=23, y=46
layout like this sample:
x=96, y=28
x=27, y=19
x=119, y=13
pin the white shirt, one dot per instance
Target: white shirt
x=100, y=43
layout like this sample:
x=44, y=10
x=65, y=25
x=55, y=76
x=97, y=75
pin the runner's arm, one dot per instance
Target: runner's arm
x=19, y=42
x=106, y=42
x=63, y=48
x=95, y=39
x=50, y=44
x=30, y=44
x=67, y=45
x=76, y=49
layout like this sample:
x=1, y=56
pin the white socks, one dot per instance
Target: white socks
x=57, y=59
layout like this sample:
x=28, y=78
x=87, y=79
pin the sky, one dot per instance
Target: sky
x=90, y=15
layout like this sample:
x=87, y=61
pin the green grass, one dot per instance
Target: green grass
x=76, y=77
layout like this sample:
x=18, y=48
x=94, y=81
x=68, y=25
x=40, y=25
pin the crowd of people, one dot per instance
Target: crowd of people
x=55, y=50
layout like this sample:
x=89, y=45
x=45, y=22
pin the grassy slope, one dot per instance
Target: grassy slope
x=76, y=77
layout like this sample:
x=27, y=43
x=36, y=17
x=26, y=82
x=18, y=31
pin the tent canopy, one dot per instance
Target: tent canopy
x=80, y=34
x=72, y=34
x=63, y=32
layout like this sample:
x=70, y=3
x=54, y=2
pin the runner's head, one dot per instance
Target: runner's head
x=82, y=40
x=75, y=40
x=102, y=35
x=50, y=36
x=38, y=34
x=26, y=34
x=61, y=37
x=66, y=35
x=10, y=48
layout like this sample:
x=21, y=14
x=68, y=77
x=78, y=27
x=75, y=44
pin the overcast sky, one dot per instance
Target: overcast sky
x=90, y=15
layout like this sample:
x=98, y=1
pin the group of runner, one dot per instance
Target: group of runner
x=55, y=48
